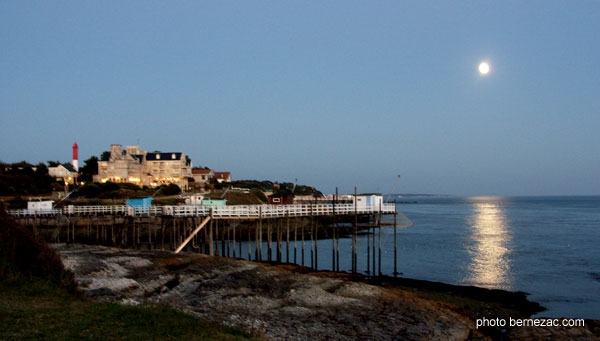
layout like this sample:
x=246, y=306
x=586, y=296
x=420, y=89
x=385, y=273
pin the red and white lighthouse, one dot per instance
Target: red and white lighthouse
x=75, y=162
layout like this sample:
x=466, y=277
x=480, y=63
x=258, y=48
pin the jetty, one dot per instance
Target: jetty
x=267, y=230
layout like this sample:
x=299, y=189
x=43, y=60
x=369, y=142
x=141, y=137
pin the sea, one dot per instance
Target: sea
x=548, y=247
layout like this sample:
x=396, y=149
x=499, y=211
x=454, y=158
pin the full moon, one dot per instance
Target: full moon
x=484, y=68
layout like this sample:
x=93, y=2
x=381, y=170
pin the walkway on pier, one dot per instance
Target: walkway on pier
x=216, y=212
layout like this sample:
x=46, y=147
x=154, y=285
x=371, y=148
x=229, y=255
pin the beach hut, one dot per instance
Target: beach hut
x=281, y=199
x=214, y=202
x=39, y=206
x=140, y=202
x=194, y=200
x=370, y=201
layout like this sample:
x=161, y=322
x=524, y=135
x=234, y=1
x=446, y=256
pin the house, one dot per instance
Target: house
x=194, y=200
x=144, y=168
x=201, y=176
x=222, y=176
x=39, y=206
x=65, y=173
x=370, y=201
x=281, y=199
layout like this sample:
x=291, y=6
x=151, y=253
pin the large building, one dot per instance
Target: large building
x=144, y=168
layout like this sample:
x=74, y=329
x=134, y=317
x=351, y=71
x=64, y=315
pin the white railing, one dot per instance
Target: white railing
x=34, y=213
x=231, y=211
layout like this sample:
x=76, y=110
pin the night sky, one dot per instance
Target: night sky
x=336, y=93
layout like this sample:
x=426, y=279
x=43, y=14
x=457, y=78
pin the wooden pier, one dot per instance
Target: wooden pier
x=222, y=230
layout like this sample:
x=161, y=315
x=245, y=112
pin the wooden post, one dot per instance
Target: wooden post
x=240, y=243
x=250, y=241
x=228, y=237
x=150, y=234
x=302, y=241
x=333, y=232
x=234, y=254
x=295, y=240
x=279, y=240
x=162, y=233
x=260, y=236
x=369, y=249
x=373, y=244
x=379, y=238
x=395, y=246
x=312, y=245
x=187, y=240
x=256, y=242
x=355, y=236
x=269, y=239
x=287, y=243
x=210, y=236
x=337, y=242
x=317, y=245
x=222, y=239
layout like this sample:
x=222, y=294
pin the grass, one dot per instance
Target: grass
x=39, y=309
x=38, y=300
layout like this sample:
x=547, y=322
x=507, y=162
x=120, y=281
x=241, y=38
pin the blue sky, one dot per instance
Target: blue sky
x=337, y=93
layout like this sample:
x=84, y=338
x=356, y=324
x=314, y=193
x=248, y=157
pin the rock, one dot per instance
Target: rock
x=265, y=301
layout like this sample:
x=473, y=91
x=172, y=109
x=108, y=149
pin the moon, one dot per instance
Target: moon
x=484, y=68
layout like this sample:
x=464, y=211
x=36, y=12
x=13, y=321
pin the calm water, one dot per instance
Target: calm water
x=546, y=246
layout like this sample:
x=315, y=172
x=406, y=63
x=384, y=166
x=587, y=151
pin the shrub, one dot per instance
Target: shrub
x=170, y=189
x=24, y=254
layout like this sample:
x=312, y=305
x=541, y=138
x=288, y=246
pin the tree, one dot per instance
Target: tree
x=89, y=169
x=170, y=189
x=105, y=156
x=43, y=181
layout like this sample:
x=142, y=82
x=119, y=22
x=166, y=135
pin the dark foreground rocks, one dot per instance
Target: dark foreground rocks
x=269, y=300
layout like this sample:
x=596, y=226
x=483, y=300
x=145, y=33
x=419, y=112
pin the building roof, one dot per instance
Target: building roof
x=163, y=156
x=138, y=157
x=201, y=171
x=222, y=175
x=69, y=168
x=281, y=195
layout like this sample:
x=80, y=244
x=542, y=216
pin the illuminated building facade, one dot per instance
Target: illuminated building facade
x=144, y=168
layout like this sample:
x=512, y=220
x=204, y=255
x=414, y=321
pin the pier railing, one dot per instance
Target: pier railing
x=223, y=212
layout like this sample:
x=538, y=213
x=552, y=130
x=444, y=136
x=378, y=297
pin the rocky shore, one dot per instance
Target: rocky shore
x=290, y=302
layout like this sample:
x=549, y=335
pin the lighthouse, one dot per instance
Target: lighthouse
x=75, y=162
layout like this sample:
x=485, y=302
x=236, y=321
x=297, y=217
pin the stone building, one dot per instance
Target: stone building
x=144, y=168
x=201, y=176
x=65, y=173
x=222, y=176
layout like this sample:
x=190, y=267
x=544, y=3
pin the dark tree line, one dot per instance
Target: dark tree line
x=22, y=178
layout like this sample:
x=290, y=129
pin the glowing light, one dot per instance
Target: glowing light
x=484, y=68
x=490, y=265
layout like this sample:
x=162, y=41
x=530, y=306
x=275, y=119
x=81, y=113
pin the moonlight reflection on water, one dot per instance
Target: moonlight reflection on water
x=490, y=264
